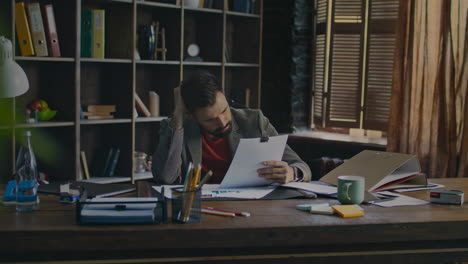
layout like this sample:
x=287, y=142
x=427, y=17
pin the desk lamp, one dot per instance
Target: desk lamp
x=13, y=80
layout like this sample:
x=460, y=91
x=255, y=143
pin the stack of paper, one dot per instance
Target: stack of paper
x=119, y=210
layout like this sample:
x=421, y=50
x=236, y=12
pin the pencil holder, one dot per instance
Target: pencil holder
x=186, y=206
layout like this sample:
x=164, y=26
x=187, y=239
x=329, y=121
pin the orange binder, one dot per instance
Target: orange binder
x=37, y=29
x=22, y=30
x=51, y=30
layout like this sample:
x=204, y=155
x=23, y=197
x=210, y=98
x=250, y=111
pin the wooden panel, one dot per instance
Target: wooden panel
x=240, y=86
x=242, y=39
x=205, y=30
x=96, y=141
x=52, y=82
x=148, y=137
x=159, y=78
x=104, y=83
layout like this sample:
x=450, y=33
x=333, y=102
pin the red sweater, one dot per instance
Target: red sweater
x=216, y=156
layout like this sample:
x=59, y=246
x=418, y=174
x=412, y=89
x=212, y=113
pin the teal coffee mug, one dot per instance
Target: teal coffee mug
x=351, y=189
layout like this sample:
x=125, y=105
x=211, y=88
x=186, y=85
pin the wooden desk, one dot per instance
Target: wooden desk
x=275, y=233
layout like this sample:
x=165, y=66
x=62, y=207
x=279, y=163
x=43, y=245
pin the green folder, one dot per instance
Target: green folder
x=86, y=33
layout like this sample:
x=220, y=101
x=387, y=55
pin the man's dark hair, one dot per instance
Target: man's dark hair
x=199, y=90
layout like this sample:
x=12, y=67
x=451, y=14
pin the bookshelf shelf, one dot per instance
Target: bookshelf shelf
x=207, y=10
x=189, y=63
x=106, y=121
x=58, y=59
x=158, y=62
x=156, y=4
x=71, y=82
x=46, y=124
x=106, y=60
x=239, y=14
x=150, y=119
x=230, y=64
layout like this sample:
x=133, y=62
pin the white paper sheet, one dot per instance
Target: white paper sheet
x=313, y=187
x=214, y=191
x=243, y=193
x=429, y=186
x=249, y=155
x=399, y=200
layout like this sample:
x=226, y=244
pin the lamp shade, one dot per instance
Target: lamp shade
x=13, y=80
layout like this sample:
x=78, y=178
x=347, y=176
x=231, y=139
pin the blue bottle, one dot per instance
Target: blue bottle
x=26, y=177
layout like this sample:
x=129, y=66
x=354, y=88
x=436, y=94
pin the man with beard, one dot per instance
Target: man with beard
x=205, y=130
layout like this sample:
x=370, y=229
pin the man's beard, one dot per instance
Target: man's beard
x=221, y=132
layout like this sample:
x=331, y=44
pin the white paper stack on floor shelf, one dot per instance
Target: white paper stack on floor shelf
x=119, y=210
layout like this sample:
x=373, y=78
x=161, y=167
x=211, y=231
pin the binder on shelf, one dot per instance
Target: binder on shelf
x=51, y=30
x=98, y=38
x=22, y=30
x=141, y=107
x=86, y=33
x=37, y=29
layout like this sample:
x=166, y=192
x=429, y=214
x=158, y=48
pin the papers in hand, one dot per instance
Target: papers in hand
x=250, y=154
x=119, y=210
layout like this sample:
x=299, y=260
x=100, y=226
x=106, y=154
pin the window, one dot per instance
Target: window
x=353, y=63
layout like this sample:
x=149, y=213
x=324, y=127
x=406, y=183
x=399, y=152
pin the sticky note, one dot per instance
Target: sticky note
x=346, y=211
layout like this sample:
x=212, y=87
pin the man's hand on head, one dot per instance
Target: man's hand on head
x=278, y=172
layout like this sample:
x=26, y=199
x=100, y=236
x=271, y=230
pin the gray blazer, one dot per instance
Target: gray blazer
x=177, y=148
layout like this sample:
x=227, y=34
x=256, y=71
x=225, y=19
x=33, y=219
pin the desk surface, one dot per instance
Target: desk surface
x=275, y=231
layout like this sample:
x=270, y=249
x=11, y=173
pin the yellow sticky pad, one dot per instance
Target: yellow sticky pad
x=346, y=211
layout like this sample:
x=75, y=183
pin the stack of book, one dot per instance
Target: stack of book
x=99, y=111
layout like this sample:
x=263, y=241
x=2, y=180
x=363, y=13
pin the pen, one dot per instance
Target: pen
x=205, y=179
x=217, y=212
x=227, y=211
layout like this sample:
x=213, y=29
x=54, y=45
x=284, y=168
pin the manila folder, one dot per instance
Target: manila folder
x=378, y=168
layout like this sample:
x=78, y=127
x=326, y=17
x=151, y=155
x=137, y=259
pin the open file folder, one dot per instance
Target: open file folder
x=382, y=170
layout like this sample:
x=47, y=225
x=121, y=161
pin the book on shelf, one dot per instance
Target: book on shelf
x=141, y=107
x=97, y=113
x=100, y=108
x=51, y=30
x=208, y=4
x=97, y=117
x=37, y=29
x=22, y=30
x=111, y=162
x=84, y=165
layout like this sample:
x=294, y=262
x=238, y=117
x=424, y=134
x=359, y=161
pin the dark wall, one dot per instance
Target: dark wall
x=286, y=62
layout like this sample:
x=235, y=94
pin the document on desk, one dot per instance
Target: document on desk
x=250, y=154
x=398, y=200
x=213, y=190
x=316, y=187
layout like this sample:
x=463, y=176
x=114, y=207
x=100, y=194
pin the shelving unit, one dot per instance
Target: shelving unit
x=230, y=45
